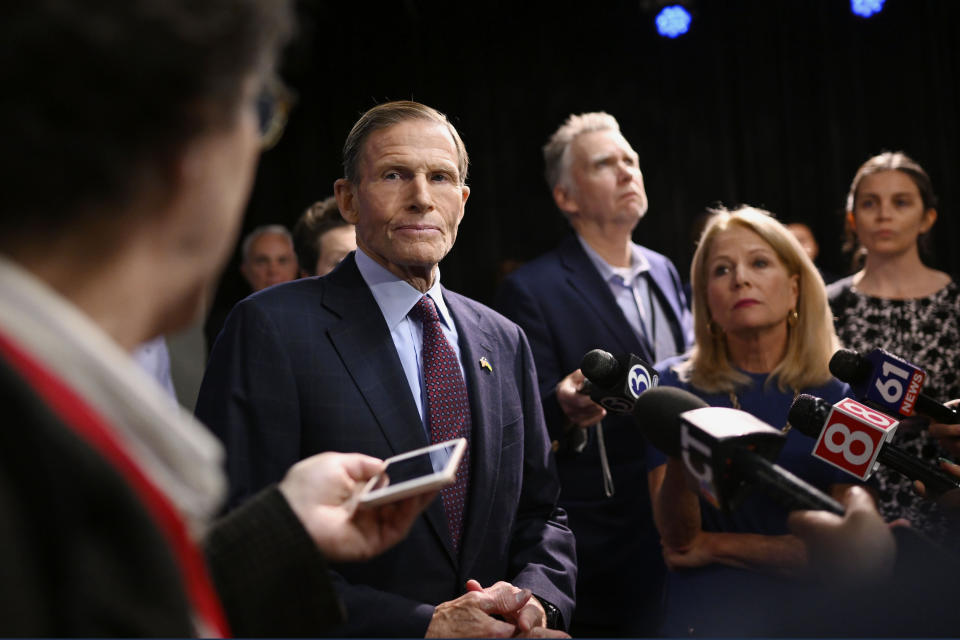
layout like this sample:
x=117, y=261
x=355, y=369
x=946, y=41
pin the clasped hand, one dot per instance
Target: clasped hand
x=472, y=614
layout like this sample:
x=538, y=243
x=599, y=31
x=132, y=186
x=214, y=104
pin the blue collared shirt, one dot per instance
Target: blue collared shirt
x=396, y=298
x=154, y=358
x=641, y=306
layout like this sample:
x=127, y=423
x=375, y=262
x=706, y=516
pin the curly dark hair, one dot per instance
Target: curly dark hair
x=98, y=94
x=319, y=218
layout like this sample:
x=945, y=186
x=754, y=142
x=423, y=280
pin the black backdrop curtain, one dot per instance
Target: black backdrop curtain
x=773, y=103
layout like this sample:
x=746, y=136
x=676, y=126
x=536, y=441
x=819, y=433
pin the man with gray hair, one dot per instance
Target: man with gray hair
x=599, y=289
x=378, y=357
x=268, y=257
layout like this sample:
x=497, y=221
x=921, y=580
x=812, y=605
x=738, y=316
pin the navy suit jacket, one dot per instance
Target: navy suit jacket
x=309, y=366
x=566, y=309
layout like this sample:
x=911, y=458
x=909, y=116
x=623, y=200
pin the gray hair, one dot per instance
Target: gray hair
x=278, y=229
x=556, y=153
x=386, y=115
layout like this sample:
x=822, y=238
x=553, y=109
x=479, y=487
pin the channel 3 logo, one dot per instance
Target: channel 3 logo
x=640, y=380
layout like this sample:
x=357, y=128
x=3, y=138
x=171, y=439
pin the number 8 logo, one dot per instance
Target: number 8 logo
x=848, y=440
x=867, y=414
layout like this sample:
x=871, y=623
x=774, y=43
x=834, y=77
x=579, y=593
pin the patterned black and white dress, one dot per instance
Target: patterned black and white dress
x=926, y=332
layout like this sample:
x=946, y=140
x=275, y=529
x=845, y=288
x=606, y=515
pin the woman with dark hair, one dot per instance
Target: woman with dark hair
x=763, y=335
x=898, y=303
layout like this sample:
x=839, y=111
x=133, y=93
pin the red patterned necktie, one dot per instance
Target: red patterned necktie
x=448, y=408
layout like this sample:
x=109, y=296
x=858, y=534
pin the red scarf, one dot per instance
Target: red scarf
x=77, y=414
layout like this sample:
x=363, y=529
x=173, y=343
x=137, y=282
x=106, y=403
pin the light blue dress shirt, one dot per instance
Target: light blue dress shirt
x=396, y=298
x=154, y=358
x=639, y=303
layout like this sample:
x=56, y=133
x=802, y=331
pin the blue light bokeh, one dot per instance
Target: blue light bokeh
x=866, y=8
x=673, y=21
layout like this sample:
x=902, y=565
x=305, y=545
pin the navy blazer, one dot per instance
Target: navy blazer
x=309, y=366
x=566, y=309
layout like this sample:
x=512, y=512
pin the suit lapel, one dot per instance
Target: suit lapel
x=362, y=339
x=583, y=277
x=477, y=342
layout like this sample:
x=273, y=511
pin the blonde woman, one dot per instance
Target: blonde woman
x=764, y=333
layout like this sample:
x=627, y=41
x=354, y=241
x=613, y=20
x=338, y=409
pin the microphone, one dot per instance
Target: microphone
x=615, y=383
x=889, y=383
x=726, y=451
x=854, y=438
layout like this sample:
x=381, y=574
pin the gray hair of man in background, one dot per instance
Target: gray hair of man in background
x=278, y=229
x=556, y=153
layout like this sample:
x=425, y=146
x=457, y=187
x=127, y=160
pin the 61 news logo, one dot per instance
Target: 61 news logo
x=853, y=436
x=895, y=383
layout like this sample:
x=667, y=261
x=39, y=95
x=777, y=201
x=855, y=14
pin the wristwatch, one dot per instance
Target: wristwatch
x=554, y=619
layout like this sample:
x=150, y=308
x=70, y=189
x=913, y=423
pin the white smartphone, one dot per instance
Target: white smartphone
x=417, y=471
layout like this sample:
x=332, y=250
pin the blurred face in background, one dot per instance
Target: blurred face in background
x=333, y=246
x=271, y=260
x=804, y=236
x=888, y=213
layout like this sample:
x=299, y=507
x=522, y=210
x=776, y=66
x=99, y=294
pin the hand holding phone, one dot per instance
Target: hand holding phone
x=414, y=472
x=323, y=492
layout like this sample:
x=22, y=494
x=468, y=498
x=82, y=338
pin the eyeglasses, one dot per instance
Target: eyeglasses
x=273, y=107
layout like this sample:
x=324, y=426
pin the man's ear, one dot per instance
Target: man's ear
x=567, y=204
x=346, y=195
x=464, y=194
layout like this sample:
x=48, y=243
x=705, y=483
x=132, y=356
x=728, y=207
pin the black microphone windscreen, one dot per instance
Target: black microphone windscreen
x=850, y=366
x=808, y=414
x=601, y=368
x=657, y=412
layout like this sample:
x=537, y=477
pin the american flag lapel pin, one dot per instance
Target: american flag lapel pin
x=485, y=364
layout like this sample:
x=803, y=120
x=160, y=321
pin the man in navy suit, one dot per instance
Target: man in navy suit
x=338, y=363
x=599, y=289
